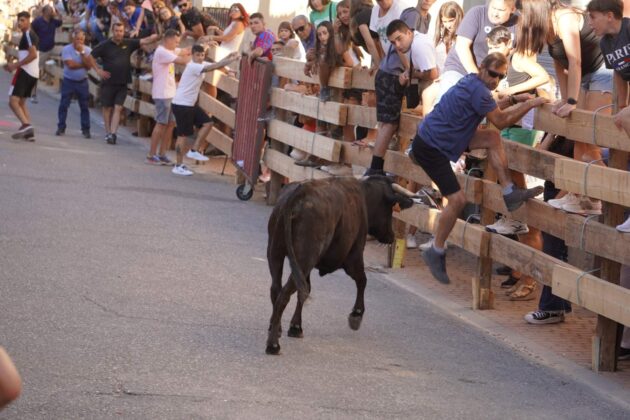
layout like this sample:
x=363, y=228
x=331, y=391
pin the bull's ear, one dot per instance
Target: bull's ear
x=403, y=201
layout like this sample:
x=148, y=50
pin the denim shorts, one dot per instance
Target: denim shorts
x=601, y=80
x=163, y=112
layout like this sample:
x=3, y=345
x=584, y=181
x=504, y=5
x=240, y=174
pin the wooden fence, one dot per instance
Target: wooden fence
x=600, y=294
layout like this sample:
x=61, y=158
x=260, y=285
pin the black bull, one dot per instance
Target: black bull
x=323, y=224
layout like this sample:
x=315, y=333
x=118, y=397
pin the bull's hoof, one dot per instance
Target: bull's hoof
x=273, y=349
x=354, y=320
x=295, y=331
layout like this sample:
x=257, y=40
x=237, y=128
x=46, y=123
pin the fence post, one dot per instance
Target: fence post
x=483, y=296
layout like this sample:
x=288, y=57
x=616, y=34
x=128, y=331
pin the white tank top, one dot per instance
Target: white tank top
x=235, y=43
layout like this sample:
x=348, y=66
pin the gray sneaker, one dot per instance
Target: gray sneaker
x=437, y=265
x=518, y=196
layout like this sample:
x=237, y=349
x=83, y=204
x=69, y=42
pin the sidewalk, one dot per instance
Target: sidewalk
x=565, y=346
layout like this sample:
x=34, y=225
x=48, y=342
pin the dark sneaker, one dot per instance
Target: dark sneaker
x=153, y=160
x=324, y=94
x=518, y=196
x=309, y=162
x=25, y=130
x=545, y=317
x=164, y=160
x=60, y=132
x=110, y=138
x=437, y=265
x=371, y=171
x=509, y=282
x=86, y=134
x=29, y=136
x=503, y=270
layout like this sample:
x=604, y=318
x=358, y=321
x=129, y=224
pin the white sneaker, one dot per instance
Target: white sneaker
x=505, y=226
x=428, y=244
x=625, y=226
x=411, y=241
x=339, y=170
x=584, y=205
x=196, y=156
x=298, y=154
x=181, y=170
x=558, y=203
x=544, y=317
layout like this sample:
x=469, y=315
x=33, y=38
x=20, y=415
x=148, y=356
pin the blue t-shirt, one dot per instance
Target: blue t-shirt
x=46, y=32
x=69, y=53
x=452, y=124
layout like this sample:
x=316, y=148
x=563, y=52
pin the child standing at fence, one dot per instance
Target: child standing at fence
x=187, y=113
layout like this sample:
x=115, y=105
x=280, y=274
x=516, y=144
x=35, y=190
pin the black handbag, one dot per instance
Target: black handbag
x=412, y=94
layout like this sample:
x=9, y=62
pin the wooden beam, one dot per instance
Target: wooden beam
x=597, y=238
x=139, y=107
x=529, y=160
x=141, y=86
x=221, y=141
x=408, y=126
x=314, y=144
x=280, y=163
x=362, y=79
x=341, y=77
x=217, y=109
x=63, y=37
x=592, y=293
x=222, y=81
x=363, y=116
x=310, y=106
x=94, y=89
x=608, y=184
x=579, y=126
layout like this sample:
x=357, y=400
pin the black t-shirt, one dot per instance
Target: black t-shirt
x=616, y=50
x=172, y=23
x=591, y=54
x=28, y=39
x=102, y=14
x=116, y=59
x=361, y=18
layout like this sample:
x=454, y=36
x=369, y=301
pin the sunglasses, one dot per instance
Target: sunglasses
x=496, y=74
x=180, y=5
x=300, y=29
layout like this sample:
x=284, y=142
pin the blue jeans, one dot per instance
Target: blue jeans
x=79, y=88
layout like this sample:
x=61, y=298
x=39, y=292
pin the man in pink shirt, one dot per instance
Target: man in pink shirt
x=164, y=86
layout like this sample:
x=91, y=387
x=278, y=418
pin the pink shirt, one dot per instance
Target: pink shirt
x=164, y=85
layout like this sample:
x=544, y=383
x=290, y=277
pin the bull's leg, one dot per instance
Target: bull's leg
x=295, y=329
x=276, y=264
x=273, y=347
x=358, y=275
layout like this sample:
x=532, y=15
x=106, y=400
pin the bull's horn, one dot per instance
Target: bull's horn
x=404, y=191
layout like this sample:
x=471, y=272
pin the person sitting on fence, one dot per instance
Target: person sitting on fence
x=607, y=21
x=187, y=113
x=524, y=75
x=261, y=47
x=451, y=128
x=230, y=39
x=115, y=54
x=26, y=74
x=163, y=90
x=76, y=62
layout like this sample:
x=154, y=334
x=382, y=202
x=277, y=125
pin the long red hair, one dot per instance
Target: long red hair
x=244, y=14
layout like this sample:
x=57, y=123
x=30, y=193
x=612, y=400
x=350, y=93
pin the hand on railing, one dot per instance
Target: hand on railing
x=562, y=109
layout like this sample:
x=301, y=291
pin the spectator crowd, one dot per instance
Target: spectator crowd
x=460, y=70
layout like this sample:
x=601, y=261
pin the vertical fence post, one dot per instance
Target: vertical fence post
x=483, y=297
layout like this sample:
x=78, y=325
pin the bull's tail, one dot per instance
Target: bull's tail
x=296, y=271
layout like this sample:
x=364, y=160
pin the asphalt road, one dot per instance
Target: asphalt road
x=128, y=292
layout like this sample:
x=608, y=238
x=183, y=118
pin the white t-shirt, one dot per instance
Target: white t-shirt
x=164, y=84
x=189, y=84
x=379, y=24
x=31, y=68
x=422, y=52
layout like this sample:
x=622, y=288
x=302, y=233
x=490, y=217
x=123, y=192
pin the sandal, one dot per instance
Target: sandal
x=524, y=292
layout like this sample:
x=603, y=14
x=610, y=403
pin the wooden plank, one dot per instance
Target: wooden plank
x=529, y=160
x=579, y=126
x=131, y=103
x=147, y=109
x=221, y=141
x=94, y=89
x=408, y=126
x=314, y=144
x=63, y=37
x=222, y=81
x=341, y=77
x=608, y=184
x=363, y=116
x=527, y=260
x=362, y=79
x=592, y=293
x=280, y=163
x=597, y=238
x=54, y=70
x=310, y=106
x=217, y=109
x=141, y=86
x=472, y=238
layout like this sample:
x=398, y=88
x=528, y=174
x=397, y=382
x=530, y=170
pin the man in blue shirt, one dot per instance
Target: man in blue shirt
x=45, y=26
x=76, y=62
x=452, y=128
